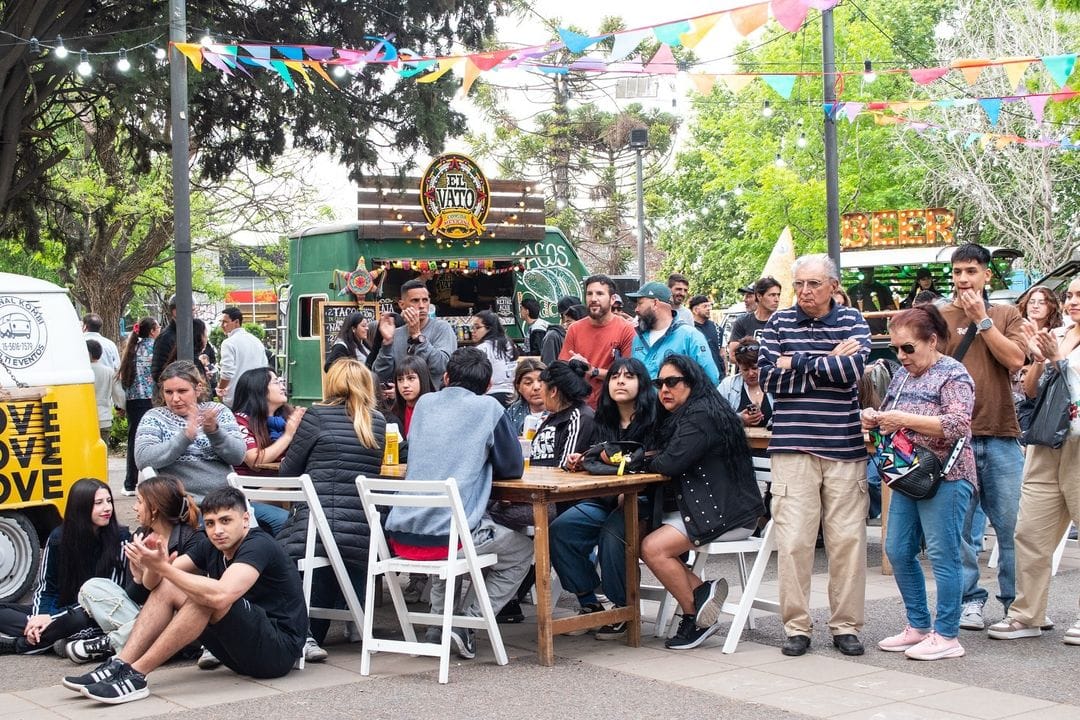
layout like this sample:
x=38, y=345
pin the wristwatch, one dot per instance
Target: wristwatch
x=595, y=372
x=985, y=324
x=417, y=340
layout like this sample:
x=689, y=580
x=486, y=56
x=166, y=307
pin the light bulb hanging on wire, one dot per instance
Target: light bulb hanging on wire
x=159, y=53
x=869, y=75
x=60, y=51
x=766, y=109
x=83, y=68
x=779, y=161
x=122, y=63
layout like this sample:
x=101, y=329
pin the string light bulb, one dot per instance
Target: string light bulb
x=60, y=51
x=35, y=47
x=801, y=142
x=869, y=75
x=83, y=68
x=206, y=41
x=767, y=109
x=779, y=161
x=339, y=71
x=159, y=53
x=122, y=63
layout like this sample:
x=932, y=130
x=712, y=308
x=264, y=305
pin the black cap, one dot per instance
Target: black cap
x=566, y=302
x=746, y=289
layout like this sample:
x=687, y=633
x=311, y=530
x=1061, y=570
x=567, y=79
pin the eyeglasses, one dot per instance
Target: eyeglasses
x=670, y=382
x=810, y=284
x=907, y=348
x=747, y=349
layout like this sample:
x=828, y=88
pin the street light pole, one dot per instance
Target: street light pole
x=185, y=343
x=832, y=160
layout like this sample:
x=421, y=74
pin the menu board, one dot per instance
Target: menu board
x=330, y=316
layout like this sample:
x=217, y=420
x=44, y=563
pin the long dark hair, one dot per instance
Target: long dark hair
x=81, y=540
x=250, y=399
x=568, y=377
x=140, y=332
x=347, y=335
x=727, y=432
x=495, y=335
x=416, y=366
x=607, y=419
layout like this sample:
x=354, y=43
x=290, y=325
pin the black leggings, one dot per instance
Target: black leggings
x=135, y=410
x=13, y=619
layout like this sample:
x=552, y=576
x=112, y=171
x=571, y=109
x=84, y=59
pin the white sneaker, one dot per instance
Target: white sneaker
x=1072, y=635
x=908, y=638
x=1009, y=629
x=971, y=615
x=935, y=647
x=207, y=661
x=312, y=652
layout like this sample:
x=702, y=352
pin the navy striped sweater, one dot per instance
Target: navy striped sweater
x=816, y=407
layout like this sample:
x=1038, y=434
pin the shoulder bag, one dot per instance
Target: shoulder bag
x=1050, y=417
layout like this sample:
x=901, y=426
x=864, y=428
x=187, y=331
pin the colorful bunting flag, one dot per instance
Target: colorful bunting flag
x=1060, y=67
x=1014, y=69
x=791, y=14
x=663, y=62
x=992, y=108
x=971, y=69
x=699, y=28
x=578, y=43
x=671, y=33
x=1037, y=103
x=626, y=43
x=781, y=84
x=747, y=19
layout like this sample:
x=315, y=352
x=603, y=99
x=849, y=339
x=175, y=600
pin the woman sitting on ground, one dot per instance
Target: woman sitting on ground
x=267, y=420
x=742, y=391
x=931, y=398
x=351, y=341
x=712, y=495
x=530, y=395
x=195, y=441
x=626, y=411
x=87, y=544
x=500, y=351
x=339, y=438
x=163, y=508
x=568, y=426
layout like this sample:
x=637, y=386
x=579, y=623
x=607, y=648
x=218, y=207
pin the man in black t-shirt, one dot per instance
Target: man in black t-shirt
x=237, y=592
x=767, y=292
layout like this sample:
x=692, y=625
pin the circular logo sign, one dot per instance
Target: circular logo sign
x=22, y=332
x=455, y=197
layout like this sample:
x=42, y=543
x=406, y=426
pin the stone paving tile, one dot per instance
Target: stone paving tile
x=673, y=667
x=747, y=654
x=901, y=711
x=89, y=710
x=312, y=677
x=190, y=687
x=816, y=668
x=50, y=696
x=13, y=705
x=982, y=703
x=1054, y=712
x=35, y=713
x=820, y=701
x=895, y=685
x=743, y=684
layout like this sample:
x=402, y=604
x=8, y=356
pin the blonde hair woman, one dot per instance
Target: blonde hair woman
x=338, y=439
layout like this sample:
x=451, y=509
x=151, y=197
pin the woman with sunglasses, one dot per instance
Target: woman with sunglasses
x=930, y=398
x=500, y=350
x=712, y=495
x=742, y=391
x=626, y=410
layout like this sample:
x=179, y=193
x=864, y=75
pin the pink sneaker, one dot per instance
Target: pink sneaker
x=935, y=647
x=910, y=637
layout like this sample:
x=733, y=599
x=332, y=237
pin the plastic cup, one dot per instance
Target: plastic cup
x=526, y=450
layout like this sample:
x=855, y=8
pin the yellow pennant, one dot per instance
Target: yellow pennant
x=193, y=52
x=1014, y=69
x=699, y=28
x=736, y=82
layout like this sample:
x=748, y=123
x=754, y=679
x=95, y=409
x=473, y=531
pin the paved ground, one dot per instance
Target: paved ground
x=1020, y=680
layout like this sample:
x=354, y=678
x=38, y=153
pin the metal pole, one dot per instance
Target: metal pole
x=181, y=188
x=832, y=160
x=640, y=222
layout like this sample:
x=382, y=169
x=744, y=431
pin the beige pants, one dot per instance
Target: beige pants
x=1049, y=499
x=808, y=491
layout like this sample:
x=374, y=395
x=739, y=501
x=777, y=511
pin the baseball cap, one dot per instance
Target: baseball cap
x=655, y=290
x=616, y=300
x=566, y=302
x=746, y=289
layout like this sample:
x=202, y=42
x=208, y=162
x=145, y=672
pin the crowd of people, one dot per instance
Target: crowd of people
x=649, y=388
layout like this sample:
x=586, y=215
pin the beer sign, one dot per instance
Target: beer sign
x=897, y=228
x=455, y=197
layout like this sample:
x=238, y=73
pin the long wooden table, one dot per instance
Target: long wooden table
x=542, y=486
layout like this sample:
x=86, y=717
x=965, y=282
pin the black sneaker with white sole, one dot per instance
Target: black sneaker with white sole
x=709, y=600
x=614, y=631
x=83, y=651
x=8, y=644
x=127, y=685
x=101, y=673
x=462, y=643
x=689, y=635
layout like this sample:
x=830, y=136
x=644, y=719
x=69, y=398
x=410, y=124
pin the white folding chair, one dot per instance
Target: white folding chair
x=1059, y=551
x=146, y=473
x=302, y=490
x=376, y=493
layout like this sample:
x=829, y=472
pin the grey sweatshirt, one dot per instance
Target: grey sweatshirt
x=440, y=342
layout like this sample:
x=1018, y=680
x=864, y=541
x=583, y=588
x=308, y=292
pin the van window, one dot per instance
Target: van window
x=305, y=329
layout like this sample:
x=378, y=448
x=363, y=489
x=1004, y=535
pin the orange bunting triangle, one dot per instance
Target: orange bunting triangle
x=471, y=73
x=971, y=69
x=746, y=20
x=193, y=52
x=298, y=66
x=736, y=83
x=1014, y=69
x=699, y=28
x=318, y=68
x=918, y=104
x=704, y=82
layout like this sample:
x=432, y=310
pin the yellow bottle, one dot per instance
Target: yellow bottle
x=390, y=456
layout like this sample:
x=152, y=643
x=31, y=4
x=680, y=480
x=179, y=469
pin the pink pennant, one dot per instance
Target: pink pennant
x=852, y=110
x=791, y=14
x=662, y=63
x=925, y=76
x=1037, y=103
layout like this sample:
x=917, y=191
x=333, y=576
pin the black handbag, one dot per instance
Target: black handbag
x=1050, y=417
x=622, y=457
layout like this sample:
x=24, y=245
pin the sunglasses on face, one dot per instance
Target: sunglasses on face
x=669, y=382
x=907, y=348
x=747, y=349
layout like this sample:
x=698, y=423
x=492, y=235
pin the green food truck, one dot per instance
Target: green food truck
x=477, y=244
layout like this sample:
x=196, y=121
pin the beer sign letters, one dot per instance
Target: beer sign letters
x=897, y=229
x=455, y=197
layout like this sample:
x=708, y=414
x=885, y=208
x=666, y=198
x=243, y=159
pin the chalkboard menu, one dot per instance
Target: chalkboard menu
x=330, y=316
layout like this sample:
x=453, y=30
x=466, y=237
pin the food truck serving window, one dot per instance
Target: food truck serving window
x=457, y=287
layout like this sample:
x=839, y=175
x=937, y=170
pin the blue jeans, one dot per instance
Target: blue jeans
x=873, y=487
x=999, y=462
x=271, y=518
x=939, y=521
x=574, y=534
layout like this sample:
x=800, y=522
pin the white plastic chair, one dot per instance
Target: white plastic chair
x=376, y=493
x=1059, y=551
x=302, y=490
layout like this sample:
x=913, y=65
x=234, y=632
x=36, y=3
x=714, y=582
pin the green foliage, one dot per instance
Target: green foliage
x=118, y=433
x=726, y=202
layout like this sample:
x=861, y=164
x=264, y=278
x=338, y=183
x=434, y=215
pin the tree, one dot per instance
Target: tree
x=744, y=176
x=248, y=119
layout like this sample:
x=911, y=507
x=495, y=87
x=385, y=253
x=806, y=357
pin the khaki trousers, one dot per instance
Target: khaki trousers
x=807, y=491
x=1049, y=500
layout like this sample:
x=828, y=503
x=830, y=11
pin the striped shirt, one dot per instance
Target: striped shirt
x=816, y=407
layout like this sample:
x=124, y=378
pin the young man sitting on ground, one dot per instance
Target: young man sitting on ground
x=484, y=448
x=237, y=592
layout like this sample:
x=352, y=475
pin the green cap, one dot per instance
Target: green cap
x=655, y=290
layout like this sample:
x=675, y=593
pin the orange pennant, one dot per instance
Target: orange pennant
x=703, y=82
x=471, y=73
x=317, y=67
x=1014, y=69
x=699, y=28
x=736, y=83
x=746, y=20
x=971, y=69
x=193, y=52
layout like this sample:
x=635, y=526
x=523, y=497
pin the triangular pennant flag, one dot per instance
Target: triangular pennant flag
x=971, y=69
x=589, y=65
x=553, y=70
x=284, y=73
x=992, y=108
x=1014, y=69
x=471, y=73
x=822, y=4
x=736, y=83
x=217, y=61
x=487, y=60
x=671, y=33
x=626, y=43
x=781, y=84
x=1037, y=103
x=791, y=14
x=1060, y=67
x=259, y=51
x=576, y=42
x=703, y=82
x=747, y=19
x=699, y=28
x=662, y=63
x=319, y=52
x=445, y=66
x=318, y=67
x=193, y=52
x=829, y=109
x=298, y=66
x=1064, y=95
x=290, y=52
x=945, y=104
x=918, y=104
x=852, y=110
x=925, y=76
x=1003, y=140
x=898, y=107
x=410, y=69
